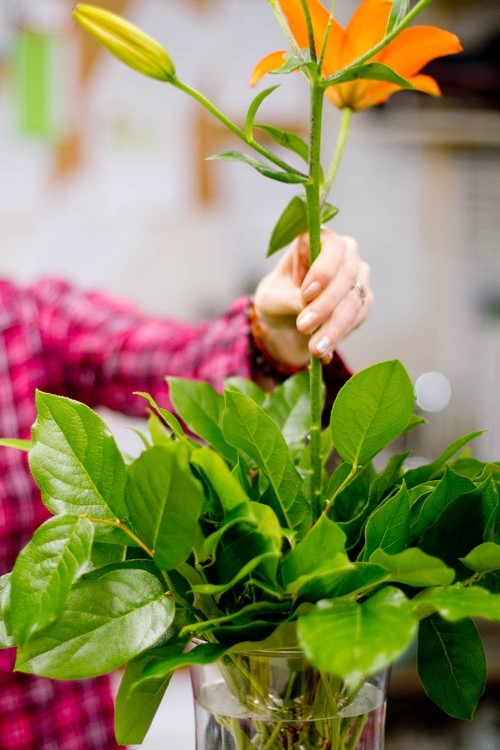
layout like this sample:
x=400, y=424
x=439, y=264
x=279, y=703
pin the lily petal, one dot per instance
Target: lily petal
x=379, y=93
x=406, y=55
x=270, y=62
x=417, y=46
x=365, y=29
x=294, y=15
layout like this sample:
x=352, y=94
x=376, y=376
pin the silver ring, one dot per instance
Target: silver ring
x=359, y=289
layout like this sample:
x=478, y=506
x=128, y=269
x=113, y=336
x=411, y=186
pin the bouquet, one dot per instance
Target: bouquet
x=234, y=538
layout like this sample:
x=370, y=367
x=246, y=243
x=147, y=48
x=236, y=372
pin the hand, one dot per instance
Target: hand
x=307, y=310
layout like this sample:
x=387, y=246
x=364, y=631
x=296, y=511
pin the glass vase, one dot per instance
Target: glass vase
x=275, y=700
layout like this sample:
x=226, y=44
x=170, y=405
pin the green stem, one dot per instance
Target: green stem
x=123, y=527
x=310, y=30
x=232, y=127
x=345, y=123
x=117, y=524
x=284, y=27
x=341, y=488
x=313, y=188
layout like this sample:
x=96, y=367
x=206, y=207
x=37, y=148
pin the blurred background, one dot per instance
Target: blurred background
x=103, y=181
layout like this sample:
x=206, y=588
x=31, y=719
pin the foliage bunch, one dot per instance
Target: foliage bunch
x=218, y=540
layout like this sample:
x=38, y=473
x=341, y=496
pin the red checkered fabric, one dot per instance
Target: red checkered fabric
x=98, y=350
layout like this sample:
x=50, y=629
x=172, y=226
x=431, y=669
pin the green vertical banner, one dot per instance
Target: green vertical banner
x=39, y=76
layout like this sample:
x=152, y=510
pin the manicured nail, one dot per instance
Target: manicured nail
x=311, y=291
x=306, y=320
x=323, y=345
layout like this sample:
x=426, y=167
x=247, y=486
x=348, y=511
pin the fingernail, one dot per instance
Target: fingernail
x=306, y=320
x=323, y=345
x=311, y=291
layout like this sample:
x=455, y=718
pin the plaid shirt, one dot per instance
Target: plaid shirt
x=97, y=350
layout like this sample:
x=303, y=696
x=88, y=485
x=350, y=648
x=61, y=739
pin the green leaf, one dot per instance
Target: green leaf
x=264, y=560
x=293, y=222
x=248, y=387
x=45, y=571
x=106, y=622
x=289, y=406
x=398, y=12
x=485, y=558
x=138, y=698
x=165, y=417
x=461, y=526
x=200, y=406
x=165, y=501
x=354, y=504
x=413, y=567
x=75, y=460
x=328, y=212
x=293, y=63
x=233, y=635
x=104, y=554
x=451, y=665
x=225, y=489
x=426, y=472
x=287, y=139
x=254, y=108
x=388, y=527
x=374, y=71
x=451, y=486
x=254, y=519
x=168, y=661
x=6, y=640
x=245, y=616
x=457, y=602
x=346, y=489
x=359, y=580
x=354, y=640
x=319, y=554
x=248, y=540
x=247, y=427
x=371, y=410
x=137, y=701
x=183, y=579
x=291, y=177
x=385, y=481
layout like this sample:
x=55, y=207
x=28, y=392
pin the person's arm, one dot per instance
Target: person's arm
x=101, y=350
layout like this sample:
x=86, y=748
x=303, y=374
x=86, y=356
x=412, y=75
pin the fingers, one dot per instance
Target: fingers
x=307, y=310
x=331, y=292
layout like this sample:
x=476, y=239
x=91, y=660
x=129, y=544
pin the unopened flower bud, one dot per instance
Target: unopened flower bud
x=127, y=42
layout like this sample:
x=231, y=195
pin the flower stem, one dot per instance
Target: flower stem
x=313, y=190
x=310, y=30
x=345, y=122
x=117, y=524
x=233, y=127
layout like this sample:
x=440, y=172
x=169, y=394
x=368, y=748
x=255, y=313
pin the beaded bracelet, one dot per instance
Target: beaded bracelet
x=269, y=366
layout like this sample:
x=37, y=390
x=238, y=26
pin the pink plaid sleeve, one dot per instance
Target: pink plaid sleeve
x=100, y=350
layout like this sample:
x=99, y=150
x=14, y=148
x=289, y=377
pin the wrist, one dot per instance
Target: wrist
x=273, y=355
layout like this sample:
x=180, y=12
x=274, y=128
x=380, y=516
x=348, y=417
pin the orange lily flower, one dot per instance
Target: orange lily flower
x=406, y=55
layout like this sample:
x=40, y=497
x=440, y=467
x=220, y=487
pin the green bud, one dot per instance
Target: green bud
x=124, y=40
